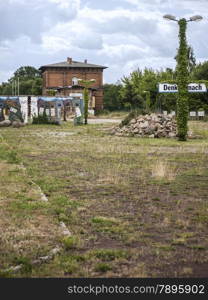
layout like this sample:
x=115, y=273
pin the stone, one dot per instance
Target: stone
x=65, y=230
x=118, y=134
x=150, y=125
x=136, y=130
x=133, y=121
x=144, y=125
x=172, y=134
x=5, y=123
x=17, y=124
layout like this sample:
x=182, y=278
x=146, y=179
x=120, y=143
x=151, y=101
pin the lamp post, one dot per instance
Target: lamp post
x=86, y=84
x=182, y=76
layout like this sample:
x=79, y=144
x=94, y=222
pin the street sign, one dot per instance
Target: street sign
x=192, y=114
x=173, y=88
x=197, y=88
x=201, y=113
x=168, y=88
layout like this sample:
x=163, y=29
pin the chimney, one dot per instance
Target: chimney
x=69, y=60
x=85, y=61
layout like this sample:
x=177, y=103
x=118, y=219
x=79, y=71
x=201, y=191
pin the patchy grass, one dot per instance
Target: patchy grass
x=134, y=207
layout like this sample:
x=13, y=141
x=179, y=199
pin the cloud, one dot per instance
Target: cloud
x=121, y=34
x=32, y=18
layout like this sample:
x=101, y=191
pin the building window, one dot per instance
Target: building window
x=74, y=81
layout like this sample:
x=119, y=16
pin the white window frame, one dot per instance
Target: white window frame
x=74, y=81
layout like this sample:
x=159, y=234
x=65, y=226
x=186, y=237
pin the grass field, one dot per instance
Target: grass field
x=133, y=207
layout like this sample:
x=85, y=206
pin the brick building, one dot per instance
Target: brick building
x=63, y=79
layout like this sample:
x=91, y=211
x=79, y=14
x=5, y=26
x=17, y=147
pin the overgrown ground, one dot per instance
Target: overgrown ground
x=134, y=207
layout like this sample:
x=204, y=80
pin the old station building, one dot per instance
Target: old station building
x=62, y=78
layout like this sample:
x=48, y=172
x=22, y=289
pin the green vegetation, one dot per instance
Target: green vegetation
x=182, y=81
x=131, y=207
x=129, y=93
x=30, y=82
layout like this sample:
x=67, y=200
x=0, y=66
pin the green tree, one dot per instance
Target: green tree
x=37, y=86
x=26, y=72
x=30, y=82
x=130, y=97
x=112, y=97
x=201, y=71
x=190, y=57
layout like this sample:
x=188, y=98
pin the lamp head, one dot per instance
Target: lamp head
x=170, y=17
x=196, y=18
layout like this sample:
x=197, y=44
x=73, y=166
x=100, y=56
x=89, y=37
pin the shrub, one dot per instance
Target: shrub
x=132, y=115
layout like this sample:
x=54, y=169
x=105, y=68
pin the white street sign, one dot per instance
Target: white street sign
x=173, y=88
x=201, y=113
x=192, y=114
x=197, y=88
x=168, y=88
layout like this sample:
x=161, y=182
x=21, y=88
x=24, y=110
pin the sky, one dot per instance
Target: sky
x=123, y=35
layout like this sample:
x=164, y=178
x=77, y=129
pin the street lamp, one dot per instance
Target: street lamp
x=191, y=19
x=86, y=84
x=182, y=75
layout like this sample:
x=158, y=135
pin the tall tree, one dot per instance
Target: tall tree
x=112, y=97
x=190, y=58
x=29, y=79
x=26, y=73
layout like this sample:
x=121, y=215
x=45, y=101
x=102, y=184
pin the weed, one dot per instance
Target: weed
x=71, y=242
x=109, y=254
x=103, y=267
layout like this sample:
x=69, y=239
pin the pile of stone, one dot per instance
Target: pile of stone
x=7, y=123
x=151, y=125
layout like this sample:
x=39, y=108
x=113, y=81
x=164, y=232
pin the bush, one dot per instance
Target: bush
x=101, y=112
x=132, y=115
x=43, y=119
x=71, y=242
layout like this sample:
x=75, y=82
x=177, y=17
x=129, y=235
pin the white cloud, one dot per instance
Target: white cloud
x=122, y=34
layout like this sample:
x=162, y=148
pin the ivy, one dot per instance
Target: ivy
x=86, y=100
x=182, y=82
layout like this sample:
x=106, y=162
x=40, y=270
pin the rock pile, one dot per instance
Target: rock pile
x=7, y=123
x=151, y=125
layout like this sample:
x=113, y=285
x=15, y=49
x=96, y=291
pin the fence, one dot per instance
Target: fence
x=193, y=115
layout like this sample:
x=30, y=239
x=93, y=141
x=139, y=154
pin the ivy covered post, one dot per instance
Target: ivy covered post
x=86, y=101
x=86, y=84
x=182, y=81
x=182, y=75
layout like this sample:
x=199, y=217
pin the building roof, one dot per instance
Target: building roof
x=72, y=64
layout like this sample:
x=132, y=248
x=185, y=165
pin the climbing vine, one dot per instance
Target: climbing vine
x=86, y=100
x=182, y=82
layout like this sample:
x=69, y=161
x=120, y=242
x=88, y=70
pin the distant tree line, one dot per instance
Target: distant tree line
x=132, y=91
x=30, y=82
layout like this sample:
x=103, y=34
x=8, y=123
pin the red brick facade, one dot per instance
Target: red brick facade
x=62, y=77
